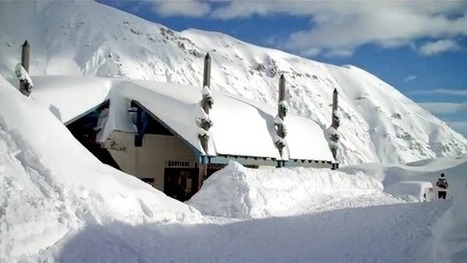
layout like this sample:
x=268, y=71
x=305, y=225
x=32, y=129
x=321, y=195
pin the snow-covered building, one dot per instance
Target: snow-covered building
x=152, y=129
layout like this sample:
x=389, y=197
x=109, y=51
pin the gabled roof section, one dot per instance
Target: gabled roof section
x=241, y=127
x=70, y=97
x=176, y=106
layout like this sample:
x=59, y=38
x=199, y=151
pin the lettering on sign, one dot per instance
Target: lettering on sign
x=115, y=146
x=179, y=163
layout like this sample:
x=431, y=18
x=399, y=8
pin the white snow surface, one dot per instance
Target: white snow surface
x=241, y=192
x=378, y=123
x=450, y=242
x=413, y=190
x=70, y=97
x=423, y=172
x=51, y=185
x=60, y=204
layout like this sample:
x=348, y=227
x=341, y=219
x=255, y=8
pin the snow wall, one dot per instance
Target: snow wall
x=239, y=192
x=450, y=233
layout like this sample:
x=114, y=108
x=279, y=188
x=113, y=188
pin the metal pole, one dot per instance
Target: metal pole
x=207, y=71
x=281, y=93
x=25, y=48
x=335, y=125
x=335, y=121
x=280, y=113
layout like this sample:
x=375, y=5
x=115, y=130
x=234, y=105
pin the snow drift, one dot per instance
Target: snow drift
x=51, y=185
x=415, y=191
x=450, y=242
x=421, y=174
x=240, y=192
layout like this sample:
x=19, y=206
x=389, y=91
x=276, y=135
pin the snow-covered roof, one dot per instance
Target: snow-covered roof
x=241, y=127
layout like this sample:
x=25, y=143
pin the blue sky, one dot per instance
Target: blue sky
x=419, y=47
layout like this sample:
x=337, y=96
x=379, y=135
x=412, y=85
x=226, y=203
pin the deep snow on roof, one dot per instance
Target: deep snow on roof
x=241, y=127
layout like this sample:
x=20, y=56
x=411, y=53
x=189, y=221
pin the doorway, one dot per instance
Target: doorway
x=180, y=183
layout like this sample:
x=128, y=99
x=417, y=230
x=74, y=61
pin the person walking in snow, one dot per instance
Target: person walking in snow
x=442, y=185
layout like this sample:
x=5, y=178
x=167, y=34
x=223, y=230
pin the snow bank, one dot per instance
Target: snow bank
x=427, y=170
x=240, y=192
x=450, y=242
x=50, y=184
x=412, y=190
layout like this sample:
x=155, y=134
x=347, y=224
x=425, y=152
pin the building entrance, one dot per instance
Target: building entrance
x=180, y=183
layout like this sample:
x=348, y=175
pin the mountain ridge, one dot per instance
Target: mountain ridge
x=378, y=123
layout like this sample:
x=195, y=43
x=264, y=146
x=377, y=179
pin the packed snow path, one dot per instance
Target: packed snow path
x=388, y=233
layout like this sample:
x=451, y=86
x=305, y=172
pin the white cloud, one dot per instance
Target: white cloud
x=410, y=78
x=339, y=52
x=338, y=28
x=190, y=8
x=271, y=40
x=444, y=107
x=459, y=126
x=437, y=47
x=454, y=92
x=310, y=52
x=346, y=25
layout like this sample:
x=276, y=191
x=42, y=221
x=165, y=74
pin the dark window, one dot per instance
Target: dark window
x=153, y=126
x=148, y=180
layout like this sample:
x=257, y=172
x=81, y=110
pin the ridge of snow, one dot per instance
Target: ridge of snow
x=424, y=172
x=240, y=192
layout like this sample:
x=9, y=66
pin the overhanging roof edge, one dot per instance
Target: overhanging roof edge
x=77, y=117
x=153, y=115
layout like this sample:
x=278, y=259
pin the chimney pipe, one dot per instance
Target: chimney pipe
x=335, y=119
x=281, y=131
x=25, y=48
x=207, y=71
x=335, y=124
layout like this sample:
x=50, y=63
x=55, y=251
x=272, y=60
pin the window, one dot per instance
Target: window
x=148, y=180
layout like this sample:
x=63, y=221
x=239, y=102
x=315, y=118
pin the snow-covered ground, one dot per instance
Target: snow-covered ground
x=60, y=204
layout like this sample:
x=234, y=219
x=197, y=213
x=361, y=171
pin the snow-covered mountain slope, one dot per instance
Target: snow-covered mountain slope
x=88, y=38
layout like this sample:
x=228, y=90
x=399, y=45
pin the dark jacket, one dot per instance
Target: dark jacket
x=442, y=183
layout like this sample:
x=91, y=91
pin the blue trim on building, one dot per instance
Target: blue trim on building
x=141, y=125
